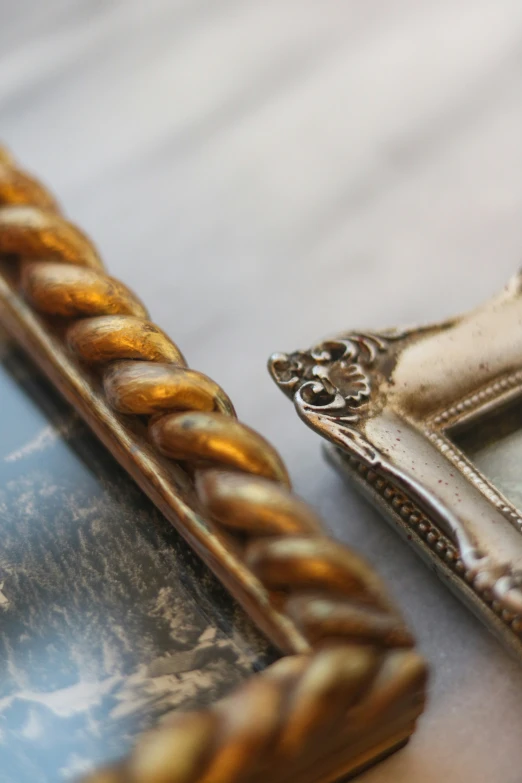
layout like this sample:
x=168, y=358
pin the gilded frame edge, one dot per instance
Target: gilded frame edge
x=397, y=698
x=374, y=678
x=401, y=687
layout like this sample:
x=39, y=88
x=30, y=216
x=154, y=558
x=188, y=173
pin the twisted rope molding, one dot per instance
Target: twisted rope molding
x=360, y=663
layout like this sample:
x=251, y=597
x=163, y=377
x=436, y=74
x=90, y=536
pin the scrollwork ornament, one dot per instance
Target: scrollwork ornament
x=331, y=384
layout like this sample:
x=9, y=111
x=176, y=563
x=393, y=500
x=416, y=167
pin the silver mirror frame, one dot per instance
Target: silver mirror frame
x=389, y=405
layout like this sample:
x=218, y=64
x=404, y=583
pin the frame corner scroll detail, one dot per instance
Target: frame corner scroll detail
x=335, y=384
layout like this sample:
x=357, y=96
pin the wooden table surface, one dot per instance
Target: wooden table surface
x=265, y=172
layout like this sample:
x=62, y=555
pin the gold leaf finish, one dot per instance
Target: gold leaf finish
x=355, y=693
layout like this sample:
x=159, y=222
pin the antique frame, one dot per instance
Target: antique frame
x=392, y=405
x=350, y=688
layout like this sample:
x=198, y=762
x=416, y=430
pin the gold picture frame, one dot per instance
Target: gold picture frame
x=349, y=686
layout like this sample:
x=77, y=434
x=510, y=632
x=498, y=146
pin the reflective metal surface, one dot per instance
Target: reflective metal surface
x=203, y=468
x=392, y=405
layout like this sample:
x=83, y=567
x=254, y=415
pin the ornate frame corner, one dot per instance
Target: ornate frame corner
x=389, y=404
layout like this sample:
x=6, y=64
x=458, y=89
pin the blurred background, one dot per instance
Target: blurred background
x=266, y=172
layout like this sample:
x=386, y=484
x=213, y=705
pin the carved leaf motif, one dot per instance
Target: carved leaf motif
x=352, y=382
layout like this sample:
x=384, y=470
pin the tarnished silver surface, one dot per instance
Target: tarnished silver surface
x=398, y=408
